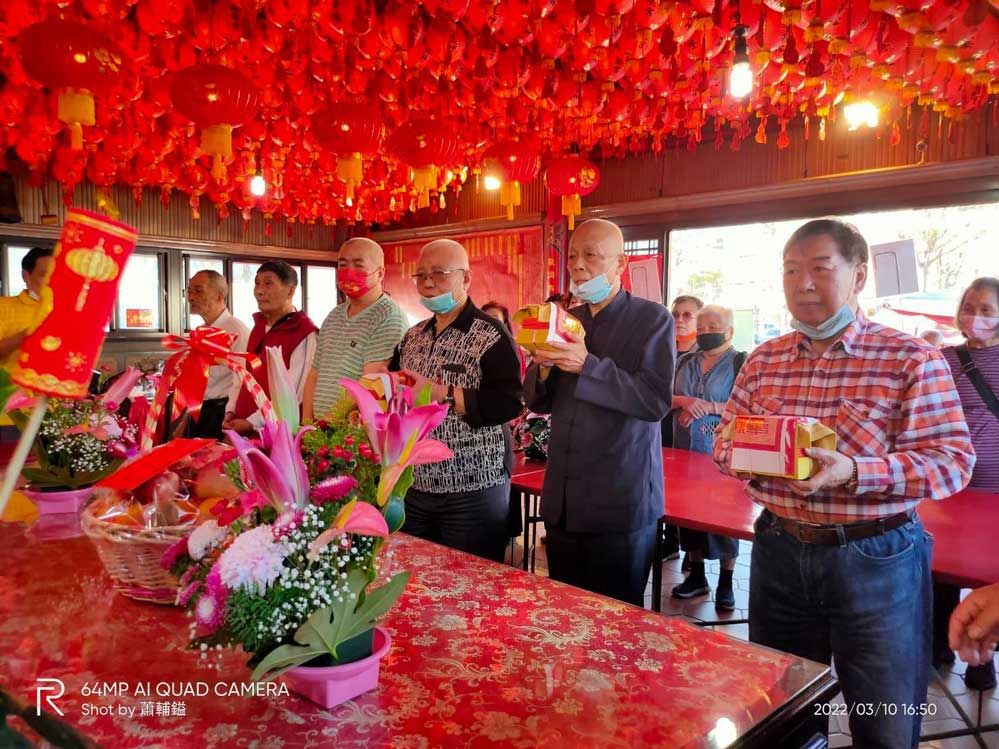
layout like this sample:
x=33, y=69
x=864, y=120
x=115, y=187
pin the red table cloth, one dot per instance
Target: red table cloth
x=483, y=655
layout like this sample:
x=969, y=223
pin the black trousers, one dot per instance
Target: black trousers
x=475, y=522
x=209, y=423
x=616, y=565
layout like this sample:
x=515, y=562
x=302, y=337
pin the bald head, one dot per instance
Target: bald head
x=606, y=233
x=362, y=247
x=444, y=253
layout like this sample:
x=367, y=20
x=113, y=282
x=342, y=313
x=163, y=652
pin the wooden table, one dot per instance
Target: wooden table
x=483, y=655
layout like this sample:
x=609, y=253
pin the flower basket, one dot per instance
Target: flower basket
x=132, y=557
x=59, y=502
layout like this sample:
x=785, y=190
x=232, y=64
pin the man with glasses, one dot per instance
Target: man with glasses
x=358, y=336
x=470, y=363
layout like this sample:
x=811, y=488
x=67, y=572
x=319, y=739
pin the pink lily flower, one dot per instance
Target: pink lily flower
x=355, y=517
x=399, y=436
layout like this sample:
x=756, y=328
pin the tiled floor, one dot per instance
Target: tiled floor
x=946, y=717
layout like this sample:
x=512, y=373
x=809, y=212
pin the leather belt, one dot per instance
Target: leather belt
x=837, y=535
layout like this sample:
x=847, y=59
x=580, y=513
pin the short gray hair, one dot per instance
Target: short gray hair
x=985, y=282
x=725, y=314
x=217, y=281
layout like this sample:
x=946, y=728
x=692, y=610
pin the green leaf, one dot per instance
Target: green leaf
x=357, y=615
x=422, y=397
x=316, y=631
x=7, y=388
x=282, y=658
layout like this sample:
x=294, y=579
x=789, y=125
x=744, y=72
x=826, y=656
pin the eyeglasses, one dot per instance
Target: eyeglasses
x=437, y=276
x=684, y=315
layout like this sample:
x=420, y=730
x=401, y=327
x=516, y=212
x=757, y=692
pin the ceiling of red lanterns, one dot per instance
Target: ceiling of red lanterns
x=360, y=111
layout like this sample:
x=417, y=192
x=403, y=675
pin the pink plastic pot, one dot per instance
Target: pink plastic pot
x=54, y=503
x=330, y=685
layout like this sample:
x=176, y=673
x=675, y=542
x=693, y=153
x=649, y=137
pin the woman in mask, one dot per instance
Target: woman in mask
x=703, y=383
x=975, y=366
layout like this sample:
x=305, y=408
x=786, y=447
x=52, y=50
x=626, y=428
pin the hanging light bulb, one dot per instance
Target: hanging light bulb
x=860, y=114
x=740, y=77
x=258, y=186
x=492, y=183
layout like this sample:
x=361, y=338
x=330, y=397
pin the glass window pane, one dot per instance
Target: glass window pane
x=15, y=253
x=322, y=292
x=140, y=294
x=241, y=293
x=196, y=265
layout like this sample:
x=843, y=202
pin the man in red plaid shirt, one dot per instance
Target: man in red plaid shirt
x=841, y=563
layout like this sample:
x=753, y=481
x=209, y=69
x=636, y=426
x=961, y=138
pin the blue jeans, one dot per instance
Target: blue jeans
x=867, y=604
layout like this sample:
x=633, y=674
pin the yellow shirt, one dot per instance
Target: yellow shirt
x=17, y=314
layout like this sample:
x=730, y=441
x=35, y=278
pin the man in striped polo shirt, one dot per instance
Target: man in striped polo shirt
x=841, y=563
x=358, y=336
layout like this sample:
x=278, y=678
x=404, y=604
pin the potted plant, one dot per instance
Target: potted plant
x=79, y=443
x=288, y=569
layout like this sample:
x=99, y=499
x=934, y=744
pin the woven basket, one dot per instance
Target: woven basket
x=132, y=556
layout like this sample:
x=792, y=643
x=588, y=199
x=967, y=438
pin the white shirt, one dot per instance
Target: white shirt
x=221, y=379
x=301, y=363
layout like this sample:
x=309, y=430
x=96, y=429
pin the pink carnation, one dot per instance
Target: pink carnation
x=173, y=553
x=210, y=609
x=333, y=490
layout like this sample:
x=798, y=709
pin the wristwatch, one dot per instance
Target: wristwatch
x=851, y=485
x=448, y=399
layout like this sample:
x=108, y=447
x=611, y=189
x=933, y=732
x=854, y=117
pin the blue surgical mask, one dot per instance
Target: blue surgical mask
x=593, y=291
x=830, y=327
x=440, y=304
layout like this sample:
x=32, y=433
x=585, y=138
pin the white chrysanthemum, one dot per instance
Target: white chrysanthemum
x=206, y=536
x=253, y=561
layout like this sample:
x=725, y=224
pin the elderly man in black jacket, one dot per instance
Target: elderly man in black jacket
x=607, y=393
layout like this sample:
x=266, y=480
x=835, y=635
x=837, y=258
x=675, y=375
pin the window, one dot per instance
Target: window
x=241, y=290
x=320, y=292
x=640, y=247
x=740, y=267
x=15, y=253
x=140, y=293
x=194, y=264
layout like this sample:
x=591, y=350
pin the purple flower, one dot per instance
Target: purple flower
x=333, y=489
x=210, y=609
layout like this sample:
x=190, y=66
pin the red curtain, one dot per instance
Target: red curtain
x=507, y=267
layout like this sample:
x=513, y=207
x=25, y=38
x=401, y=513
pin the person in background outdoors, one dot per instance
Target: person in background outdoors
x=974, y=626
x=17, y=313
x=975, y=366
x=933, y=337
x=684, y=310
x=607, y=393
x=470, y=363
x=279, y=324
x=358, y=336
x=207, y=292
x=702, y=386
x=841, y=563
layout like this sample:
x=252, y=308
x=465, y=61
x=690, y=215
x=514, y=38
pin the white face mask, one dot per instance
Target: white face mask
x=977, y=327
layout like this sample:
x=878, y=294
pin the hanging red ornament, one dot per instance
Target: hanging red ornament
x=570, y=178
x=217, y=99
x=351, y=131
x=427, y=146
x=75, y=60
x=514, y=161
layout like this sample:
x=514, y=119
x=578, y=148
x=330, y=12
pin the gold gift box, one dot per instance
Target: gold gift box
x=544, y=324
x=775, y=445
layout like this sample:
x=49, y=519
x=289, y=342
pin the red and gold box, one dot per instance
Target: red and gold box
x=775, y=445
x=543, y=324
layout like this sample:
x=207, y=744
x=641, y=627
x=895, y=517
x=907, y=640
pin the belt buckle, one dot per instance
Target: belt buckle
x=807, y=532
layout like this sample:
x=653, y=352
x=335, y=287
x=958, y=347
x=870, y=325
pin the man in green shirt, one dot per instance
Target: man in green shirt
x=358, y=336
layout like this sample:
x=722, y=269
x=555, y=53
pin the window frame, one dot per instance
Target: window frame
x=117, y=334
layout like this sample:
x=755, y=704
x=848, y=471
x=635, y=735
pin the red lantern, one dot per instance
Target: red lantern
x=75, y=60
x=218, y=99
x=570, y=178
x=426, y=145
x=351, y=131
x=515, y=161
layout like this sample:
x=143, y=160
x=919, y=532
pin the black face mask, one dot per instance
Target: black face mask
x=709, y=341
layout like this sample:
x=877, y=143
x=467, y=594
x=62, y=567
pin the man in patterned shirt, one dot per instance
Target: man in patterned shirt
x=841, y=564
x=469, y=360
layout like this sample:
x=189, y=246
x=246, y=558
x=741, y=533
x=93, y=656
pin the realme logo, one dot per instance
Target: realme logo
x=49, y=685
